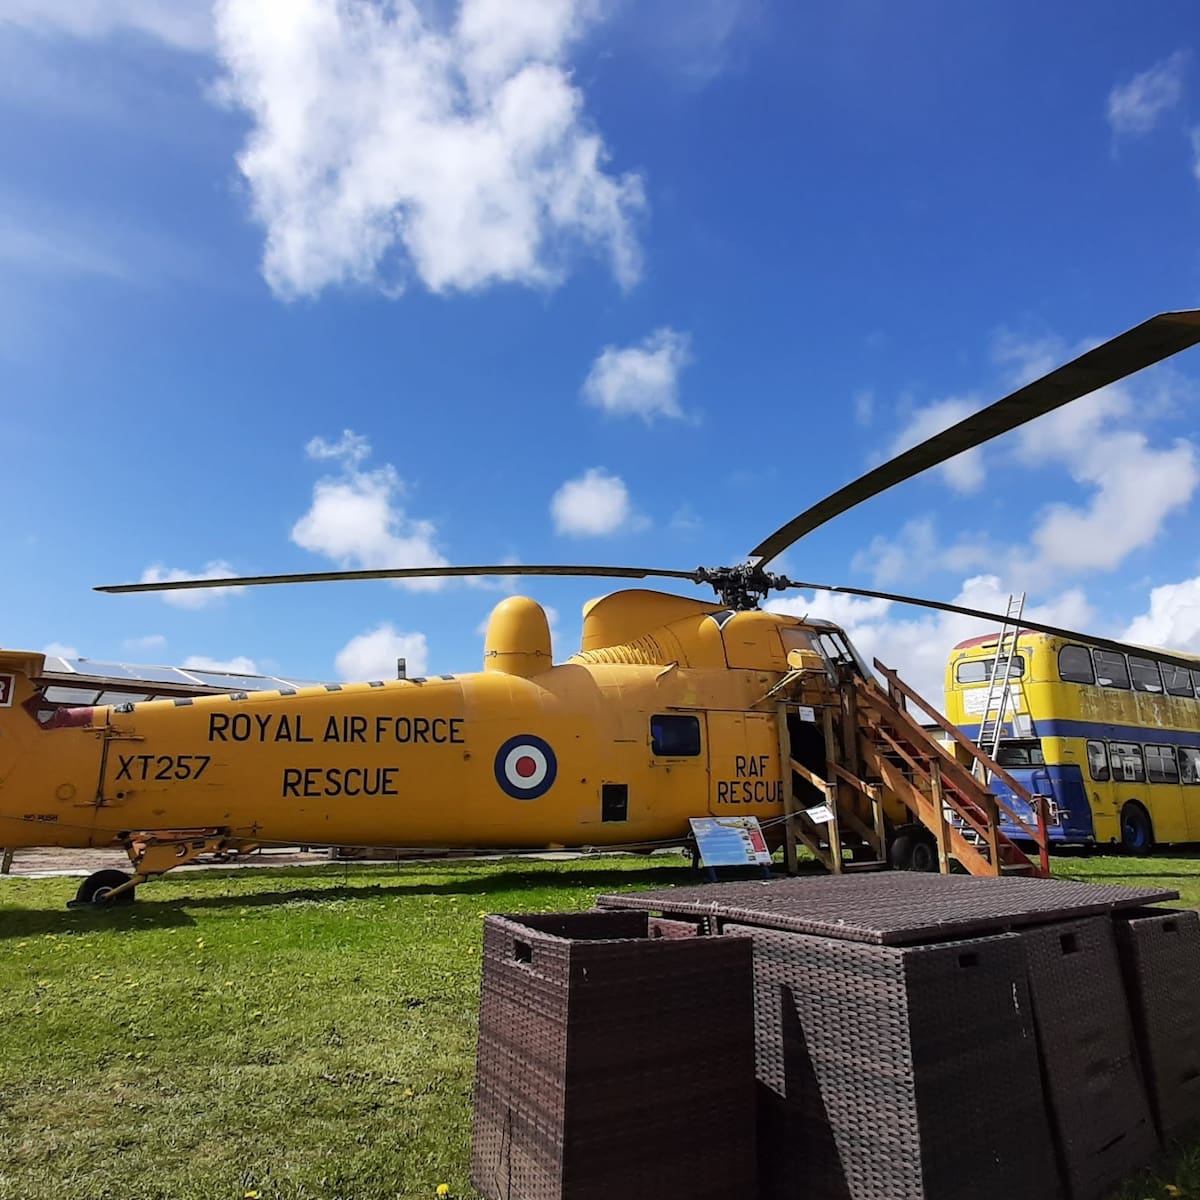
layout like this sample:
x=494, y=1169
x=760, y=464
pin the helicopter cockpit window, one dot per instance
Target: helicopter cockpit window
x=834, y=648
x=674, y=737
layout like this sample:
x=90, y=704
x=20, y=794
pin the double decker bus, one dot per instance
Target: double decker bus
x=1112, y=739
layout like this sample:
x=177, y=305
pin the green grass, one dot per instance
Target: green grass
x=299, y=1033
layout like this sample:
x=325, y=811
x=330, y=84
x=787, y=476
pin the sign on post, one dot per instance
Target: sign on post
x=730, y=842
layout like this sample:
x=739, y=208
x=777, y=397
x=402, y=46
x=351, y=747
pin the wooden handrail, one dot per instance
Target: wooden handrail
x=960, y=810
x=961, y=739
x=956, y=772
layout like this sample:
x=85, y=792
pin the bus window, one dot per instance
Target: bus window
x=1177, y=680
x=1196, y=683
x=1144, y=672
x=979, y=670
x=1075, y=665
x=1189, y=764
x=1097, y=761
x=1111, y=670
x=1160, y=764
x=1011, y=753
x=1126, y=760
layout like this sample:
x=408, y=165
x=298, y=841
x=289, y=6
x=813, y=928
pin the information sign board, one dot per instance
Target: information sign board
x=730, y=841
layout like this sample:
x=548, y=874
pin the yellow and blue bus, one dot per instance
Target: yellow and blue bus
x=1112, y=739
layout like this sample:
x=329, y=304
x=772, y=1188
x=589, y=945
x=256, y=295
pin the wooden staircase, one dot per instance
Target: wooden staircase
x=885, y=763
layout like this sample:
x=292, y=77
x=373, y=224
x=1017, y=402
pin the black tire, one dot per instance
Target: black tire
x=924, y=856
x=1137, y=834
x=912, y=851
x=95, y=888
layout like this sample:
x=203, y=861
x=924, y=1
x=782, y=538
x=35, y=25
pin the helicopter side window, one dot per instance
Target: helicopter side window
x=674, y=737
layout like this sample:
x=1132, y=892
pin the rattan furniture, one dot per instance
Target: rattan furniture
x=897, y=1072
x=1160, y=960
x=613, y=1063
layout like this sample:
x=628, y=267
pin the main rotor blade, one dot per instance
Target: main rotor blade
x=172, y=585
x=1127, y=353
x=1000, y=620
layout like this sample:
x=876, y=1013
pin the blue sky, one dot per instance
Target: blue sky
x=298, y=286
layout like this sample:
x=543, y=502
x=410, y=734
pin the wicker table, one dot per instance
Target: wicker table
x=896, y=1016
x=891, y=908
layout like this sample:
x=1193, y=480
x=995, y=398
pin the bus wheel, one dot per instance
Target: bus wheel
x=1137, y=834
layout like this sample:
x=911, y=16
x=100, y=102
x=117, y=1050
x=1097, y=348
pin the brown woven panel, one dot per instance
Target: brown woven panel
x=612, y=1063
x=891, y=907
x=897, y=1072
x=1160, y=960
x=1095, y=1094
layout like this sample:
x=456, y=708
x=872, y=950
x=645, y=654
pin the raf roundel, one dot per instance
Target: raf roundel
x=525, y=767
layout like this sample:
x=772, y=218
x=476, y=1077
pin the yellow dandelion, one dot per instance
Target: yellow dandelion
x=1172, y=1190
x=443, y=1189
x=250, y=1195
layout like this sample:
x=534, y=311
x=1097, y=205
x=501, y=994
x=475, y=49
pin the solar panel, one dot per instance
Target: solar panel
x=178, y=678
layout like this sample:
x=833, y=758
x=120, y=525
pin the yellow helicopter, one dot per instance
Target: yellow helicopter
x=670, y=710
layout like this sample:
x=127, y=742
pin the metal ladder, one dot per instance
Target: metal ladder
x=999, y=693
x=999, y=687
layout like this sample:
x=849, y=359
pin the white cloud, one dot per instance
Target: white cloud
x=238, y=665
x=351, y=449
x=198, y=597
x=965, y=472
x=864, y=407
x=1135, y=107
x=1194, y=139
x=698, y=40
x=1173, y=619
x=356, y=519
x=916, y=551
x=373, y=655
x=387, y=145
x=594, y=505
x=56, y=251
x=640, y=380
x=144, y=645
x=1136, y=489
x=183, y=24
x=1134, y=486
x=58, y=650
x=917, y=643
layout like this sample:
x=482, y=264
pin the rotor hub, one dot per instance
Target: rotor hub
x=741, y=587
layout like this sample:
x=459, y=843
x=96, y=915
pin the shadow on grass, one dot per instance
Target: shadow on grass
x=466, y=879
x=125, y=918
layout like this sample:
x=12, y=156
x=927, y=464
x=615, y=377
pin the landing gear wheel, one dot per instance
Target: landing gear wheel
x=911, y=852
x=1137, y=834
x=94, y=890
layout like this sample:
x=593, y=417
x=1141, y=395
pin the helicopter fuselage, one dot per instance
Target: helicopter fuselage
x=662, y=716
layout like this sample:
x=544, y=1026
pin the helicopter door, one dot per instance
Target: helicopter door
x=743, y=765
x=678, y=766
